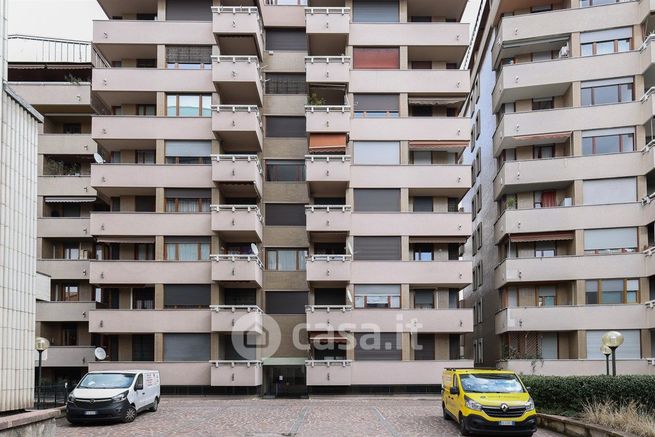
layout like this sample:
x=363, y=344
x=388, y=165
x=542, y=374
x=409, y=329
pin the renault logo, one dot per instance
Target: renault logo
x=92, y=401
x=504, y=407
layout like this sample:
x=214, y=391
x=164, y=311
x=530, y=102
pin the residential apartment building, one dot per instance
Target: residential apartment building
x=562, y=162
x=54, y=76
x=283, y=183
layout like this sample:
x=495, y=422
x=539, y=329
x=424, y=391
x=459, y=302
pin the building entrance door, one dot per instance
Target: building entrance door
x=286, y=381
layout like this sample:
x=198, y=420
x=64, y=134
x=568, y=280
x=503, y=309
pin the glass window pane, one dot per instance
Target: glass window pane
x=287, y=260
x=587, y=49
x=302, y=260
x=586, y=96
x=170, y=251
x=587, y=146
x=604, y=47
x=628, y=142
x=626, y=92
x=171, y=104
x=188, y=251
x=606, y=94
x=271, y=260
x=608, y=144
x=612, y=291
x=206, y=106
x=189, y=106
x=623, y=45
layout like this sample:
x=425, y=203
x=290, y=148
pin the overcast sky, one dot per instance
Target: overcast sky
x=72, y=18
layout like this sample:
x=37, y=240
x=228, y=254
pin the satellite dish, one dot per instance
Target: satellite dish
x=98, y=158
x=349, y=296
x=100, y=353
x=254, y=249
x=349, y=247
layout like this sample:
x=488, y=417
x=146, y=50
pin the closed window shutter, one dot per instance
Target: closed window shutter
x=186, y=347
x=285, y=127
x=188, y=54
x=376, y=58
x=377, y=248
x=192, y=295
x=286, y=83
x=602, y=191
x=285, y=214
x=423, y=204
x=189, y=148
x=189, y=10
x=188, y=193
x=630, y=349
x=367, y=200
x=377, y=102
x=376, y=152
x=375, y=11
x=379, y=346
x=424, y=347
x=616, y=238
x=286, y=39
x=286, y=302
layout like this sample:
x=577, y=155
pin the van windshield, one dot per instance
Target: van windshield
x=491, y=383
x=107, y=380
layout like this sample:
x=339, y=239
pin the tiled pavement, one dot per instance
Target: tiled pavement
x=317, y=417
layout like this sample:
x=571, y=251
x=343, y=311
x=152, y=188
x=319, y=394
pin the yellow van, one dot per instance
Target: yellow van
x=488, y=401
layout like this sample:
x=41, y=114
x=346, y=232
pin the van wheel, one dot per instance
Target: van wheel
x=446, y=416
x=130, y=414
x=154, y=405
x=463, y=430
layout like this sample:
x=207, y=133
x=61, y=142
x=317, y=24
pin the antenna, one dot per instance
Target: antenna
x=254, y=249
x=100, y=353
x=98, y=158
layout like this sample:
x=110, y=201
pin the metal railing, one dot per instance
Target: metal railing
x=234, y=363
x=327, y=108
x=237, y=258
x=51, y=396
x=32, y=48
x=235, y=308
x=330, y=258
x=328, y=59
x=235, y=208
x=328, y=208
x=328, y=158
x=328, y=308
x=327, y=10
x=328, y=363
x=235, y=158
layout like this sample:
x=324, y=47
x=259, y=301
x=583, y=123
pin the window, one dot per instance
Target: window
x=421, y=157
x=423, y=204
x=285, y=127
x=240, y=296
x=145, y=157
x=150, y=110
x=187, y=200
x=606, y=41
x=71, y=250
x=376, y=58
x=377, y=200
x=542, y=104
x=421, y=65
x=144, y=251
x=65, y=292
x=285, y=214
x=187, y=295
x=607, y=191
x=285, y=171
x=376, y=105
x=69, y=334
x=602, y=141
x=375, y=11
x=545, y=199
x=478, y=125
x=544, y=249
x=189, y=10
x=603, y=92
x=144, y=203
x=587, y=3
x=286, y=260
x=189, y=57
x=286, y=83
x=143, y=348
x=188, y=152
x=286, y=39
x=188, y=105
x=544, y=152
x=453, y=204
x=72, y=128
x=377, y=248
x=377, y=296
x=424, y=299
x=424, y=348
x=378, y=346
x=546, y=296
x=329, y=296
x=612, y=291
x=286, y=302
x=630, y=349
x=423, y=251
x=187, y=347
x=186, y=248
x=377, y=152
x=143, y=298
x=616, y=240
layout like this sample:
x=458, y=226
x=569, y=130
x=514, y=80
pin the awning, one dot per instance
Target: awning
x=57, y=199
x=542, y=236
x=438, y=145
x=327, y=142
x=435, y=101
x=557, y=137
x=460, y=240
x=327, y=338
x=131, y=240
x=18, y=66
x=283, y=361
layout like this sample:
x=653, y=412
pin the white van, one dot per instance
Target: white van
x=113, y=395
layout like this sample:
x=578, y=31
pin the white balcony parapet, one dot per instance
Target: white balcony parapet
x=234, y=363
x=234, y=59
x=329, y=258
x=328, y=363
x=650, y=304
x=328, y=208
x=237, y=258
x=327, y=59
x=235, y=208
x=328, y=308
x=235, y=308
x=327, y=10
x=235, y=10
x=328, y=158
x=236, y=108
x=234, y=158
x=650, y=251
x=647, y=41
x=327, y=108
x=651, y=361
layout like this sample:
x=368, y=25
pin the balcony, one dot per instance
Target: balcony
x=327, y=29
x=113, y=35
x=453, y=274
x=149, y=321
x=69, y=269
x=67, y=144
x=238, y=169
x=237, y=268
x=571, y=268
x=238, y=79
x=54, y=95
x=516, y=221
x=554, y=173
x=328, y=218
x=114, y=130
x=325, y=172
x=451, y=82
x=149, y=272
x=243, y=21
x=236, y=318
x=327, y=119
x=62, y=227
x=576, y=367
x=327, y=69
x=447, y=224
x=70, y=311
x=128, y=224
x=238, y=125
x=571, y=318
x=68, y=356
x=237, y=222
x=396, y=372
x=68, y=186
x=329, y=268
x=236, y=373
x=328, y=372
x=191, y=373
x=451, y=129
x=344, y=318
x=440, y=180
x=112, y=179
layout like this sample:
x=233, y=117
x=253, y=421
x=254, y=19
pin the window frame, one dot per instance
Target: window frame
x=300, y=264
x=200, y=97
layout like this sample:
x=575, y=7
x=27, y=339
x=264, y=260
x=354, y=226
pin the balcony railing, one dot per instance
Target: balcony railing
x=235, y=158
x=235, y=208
x=327, y=59
x=235, y=308
x=330, y=258
x=237, y=258
x=327, y=158
x=329, y=208
x=328, y=308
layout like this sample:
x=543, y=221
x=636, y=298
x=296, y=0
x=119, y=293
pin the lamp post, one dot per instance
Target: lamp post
x=607, y=352
x=41, y=344
x=613, y=339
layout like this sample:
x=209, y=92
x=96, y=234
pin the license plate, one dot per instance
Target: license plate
x=90, y=413
x=506, y=423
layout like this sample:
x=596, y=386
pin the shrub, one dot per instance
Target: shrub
x=568, y=395
x=630, y=417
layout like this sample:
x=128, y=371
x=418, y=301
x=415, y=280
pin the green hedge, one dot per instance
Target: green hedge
x=566, y=395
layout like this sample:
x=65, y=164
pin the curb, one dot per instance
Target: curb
x=576, y=428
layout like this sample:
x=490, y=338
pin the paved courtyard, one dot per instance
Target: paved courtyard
x=260, y=418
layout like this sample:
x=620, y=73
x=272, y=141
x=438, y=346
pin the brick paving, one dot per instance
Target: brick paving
x=254, y=417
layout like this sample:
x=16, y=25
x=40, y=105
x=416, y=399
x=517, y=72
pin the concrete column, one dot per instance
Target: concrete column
x=160, y=151
x=160, y=200
x=644, y=288
x=161, y=56
x=214, y=341
x=161, y=104
x=215, y=298
x=646, y=350
x=404, y=245
x=125, y=298
x=124, y=348
x=580, y=288
x=159, y=247
x=161, y=10
x=350, y=352
x=579, y=242
x=577, y=193
x=159, y=346
x=582, y=345
x=159, y=296
x=406, y=346
x=404, y=200
x=405, y=301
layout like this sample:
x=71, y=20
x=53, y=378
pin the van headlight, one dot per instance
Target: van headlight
x=119, y=397
x=471, y=404
x=530, y=405
x=71, y=398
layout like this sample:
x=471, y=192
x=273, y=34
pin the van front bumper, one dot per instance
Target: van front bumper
x=90, y=412
x=478, y=424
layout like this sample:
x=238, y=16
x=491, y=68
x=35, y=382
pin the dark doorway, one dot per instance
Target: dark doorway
x=286, y=381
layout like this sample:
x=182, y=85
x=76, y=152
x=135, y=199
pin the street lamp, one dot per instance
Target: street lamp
x=40, y=344
x=607, y=352
x=612, y=340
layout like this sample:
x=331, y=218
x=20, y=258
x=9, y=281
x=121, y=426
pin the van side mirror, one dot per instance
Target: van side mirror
x=454, y=390
x=138, y=386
